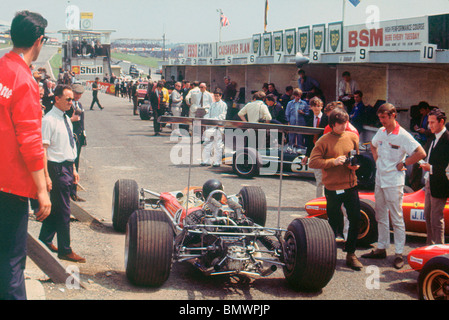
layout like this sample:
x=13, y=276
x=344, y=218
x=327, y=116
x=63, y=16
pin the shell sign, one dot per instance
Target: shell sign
x=76, y=69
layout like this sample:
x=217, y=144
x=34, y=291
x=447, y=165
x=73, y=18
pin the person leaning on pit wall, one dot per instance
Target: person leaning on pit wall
x=22, y=161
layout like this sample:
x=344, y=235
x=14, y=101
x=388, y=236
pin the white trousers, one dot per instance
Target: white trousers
x=176, y=113
x=389, y=206
x=213, y=141
x=319, y=182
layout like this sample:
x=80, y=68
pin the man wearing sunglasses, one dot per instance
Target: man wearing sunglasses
x=22, y=161
x=61, y=152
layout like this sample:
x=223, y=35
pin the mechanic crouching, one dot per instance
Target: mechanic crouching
x=332, y=153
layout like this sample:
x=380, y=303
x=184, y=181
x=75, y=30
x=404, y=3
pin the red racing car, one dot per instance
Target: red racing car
x=219, y=234
x=412, y=206
x=432, y=262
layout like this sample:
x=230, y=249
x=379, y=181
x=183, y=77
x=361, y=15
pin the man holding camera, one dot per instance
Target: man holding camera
x=334, y=153
x=390, y=146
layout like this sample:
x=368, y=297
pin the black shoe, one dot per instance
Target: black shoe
x=376, y=254
x=76, y=198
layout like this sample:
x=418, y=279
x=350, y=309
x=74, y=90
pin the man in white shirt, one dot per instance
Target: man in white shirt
x=198, y=98
x=60, y=172
x=206, y=100
x=213, y=135
x=193, y=98
x=256, y=110
x=346, y=87
x=175, y=107
x=390, y=146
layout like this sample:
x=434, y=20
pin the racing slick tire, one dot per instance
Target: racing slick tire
x=245, y=163
x=368, y=224
x=145, y=112
x=433, y=280
x=125, y=200
x=148, y=248
x=310, y=254
x=254, y=203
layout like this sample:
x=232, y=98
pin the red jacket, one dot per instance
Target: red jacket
x=21, y=149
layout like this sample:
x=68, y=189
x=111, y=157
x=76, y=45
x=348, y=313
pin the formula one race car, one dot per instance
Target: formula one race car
x=250, y=162
x=412, y=206
x=218, y=234
x=432, y=262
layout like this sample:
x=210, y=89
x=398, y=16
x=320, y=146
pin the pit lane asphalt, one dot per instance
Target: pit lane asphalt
x=120, y=145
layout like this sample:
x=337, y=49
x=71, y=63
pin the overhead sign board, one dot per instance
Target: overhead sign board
x=72, y=17
x=394, y=35
x=86, y=20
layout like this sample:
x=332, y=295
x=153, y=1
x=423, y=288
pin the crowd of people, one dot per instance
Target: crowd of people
x=393, y=149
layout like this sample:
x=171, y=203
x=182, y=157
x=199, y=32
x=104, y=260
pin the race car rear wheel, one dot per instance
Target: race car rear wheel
x=368, y=225
x=148, y=248
x=254, y=203
x=245, y=163
x=125, y=200
x=433, y=280
x=310, y=254
x=145, y=112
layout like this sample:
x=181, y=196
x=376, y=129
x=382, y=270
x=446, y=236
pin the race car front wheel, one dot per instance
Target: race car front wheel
x=254, y=203
x=125, y=200
x=310, y=254
x=433, y=280
x=148, y=248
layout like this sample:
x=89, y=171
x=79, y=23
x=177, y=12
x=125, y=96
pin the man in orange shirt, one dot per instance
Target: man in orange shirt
x=22, y=161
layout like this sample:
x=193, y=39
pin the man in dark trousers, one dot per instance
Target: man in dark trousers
x=339, y=179
x=76, y=115
x=95, y=90
x=22, y=161
x=158, y=105
x=60, y=147
x=316, y=119
x=437, y=183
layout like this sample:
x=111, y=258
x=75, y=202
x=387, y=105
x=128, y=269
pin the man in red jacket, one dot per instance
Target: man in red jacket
x=22, y=161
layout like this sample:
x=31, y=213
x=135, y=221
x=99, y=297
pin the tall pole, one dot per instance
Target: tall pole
x=343, y=11
x=163, y=46
x=220, y=12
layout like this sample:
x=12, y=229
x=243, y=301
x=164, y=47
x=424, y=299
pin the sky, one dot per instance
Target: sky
x=197, y=21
